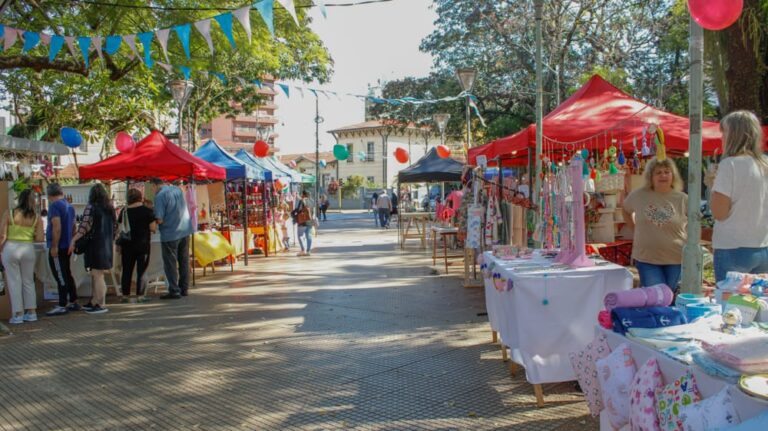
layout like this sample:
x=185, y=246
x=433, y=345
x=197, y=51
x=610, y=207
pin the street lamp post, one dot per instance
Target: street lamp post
x=442, y=122
x=180, y=90
x=318, y=120
x=466, y=77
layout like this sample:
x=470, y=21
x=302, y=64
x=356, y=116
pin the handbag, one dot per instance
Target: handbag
x=303, y=216
x=81, y=245
x=124, y=235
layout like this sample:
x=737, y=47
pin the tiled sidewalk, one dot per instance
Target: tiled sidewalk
x=357, y=336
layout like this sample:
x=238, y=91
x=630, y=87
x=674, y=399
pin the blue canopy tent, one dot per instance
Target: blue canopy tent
x=236, y=169
x=270, y=171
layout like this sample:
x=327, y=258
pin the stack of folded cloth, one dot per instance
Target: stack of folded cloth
x=647, y=307
x=748, y=355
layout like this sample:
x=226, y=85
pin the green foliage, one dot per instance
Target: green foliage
x=120, y=93
x=352, y=185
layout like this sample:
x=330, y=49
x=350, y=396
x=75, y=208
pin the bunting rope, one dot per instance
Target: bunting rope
x=188, y=8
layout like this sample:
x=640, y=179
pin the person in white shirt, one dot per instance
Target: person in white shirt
x=384, y=204
x=739, y=198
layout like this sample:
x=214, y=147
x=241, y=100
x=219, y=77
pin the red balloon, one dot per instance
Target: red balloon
x=260, y=149
x=443, y=151
x=124, y=142
x=401, y=155
x=715, y=14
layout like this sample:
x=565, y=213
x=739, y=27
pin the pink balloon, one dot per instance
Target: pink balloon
x=124, y=142
x=715, y=14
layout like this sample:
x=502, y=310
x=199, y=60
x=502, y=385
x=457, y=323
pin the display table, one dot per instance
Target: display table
x=444, y=233
x=414, y=227
x=547, y=313
x=746, y=406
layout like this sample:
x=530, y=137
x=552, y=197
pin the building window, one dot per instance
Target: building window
x=371, y=153
x=351, y=152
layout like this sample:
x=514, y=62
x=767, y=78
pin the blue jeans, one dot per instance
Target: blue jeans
x=375, y=217
x=304, y=232
x=652, y=274
x=746, y=260
x=176, y=253
x=384, y=217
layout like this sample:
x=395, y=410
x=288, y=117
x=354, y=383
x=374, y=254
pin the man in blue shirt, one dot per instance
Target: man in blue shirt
x=61, y=225
x=175, y=228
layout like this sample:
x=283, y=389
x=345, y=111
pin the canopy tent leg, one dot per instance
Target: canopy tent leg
x=245, y=221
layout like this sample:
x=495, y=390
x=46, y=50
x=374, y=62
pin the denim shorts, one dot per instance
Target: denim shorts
x=746, y=260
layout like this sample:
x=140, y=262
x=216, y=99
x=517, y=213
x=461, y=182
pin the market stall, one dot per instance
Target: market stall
x=240, y=176
x=157, y=157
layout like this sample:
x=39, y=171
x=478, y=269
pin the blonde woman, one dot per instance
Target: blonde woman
x=739, y=198
x=658, y=212
x=19, y=230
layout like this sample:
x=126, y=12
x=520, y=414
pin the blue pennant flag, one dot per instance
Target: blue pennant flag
x=313, y=91
x=322, y=8
x=257, y=82
x=113, y=44
x=53, y=50
x=2, y=30
x=265, y=9
x=85, y=47
x=183, y=32
x=285, y=90
x=31, y=39
x=186, y=71
x=225, y=22
x=146, y=41
x=219, y=75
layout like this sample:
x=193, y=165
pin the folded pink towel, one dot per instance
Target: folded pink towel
x=604, y=319
x=659, y=295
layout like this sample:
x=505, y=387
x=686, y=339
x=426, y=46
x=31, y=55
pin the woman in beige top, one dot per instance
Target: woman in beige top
x=658, y=212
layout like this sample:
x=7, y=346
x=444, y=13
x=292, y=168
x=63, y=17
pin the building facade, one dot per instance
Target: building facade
x=241, y=131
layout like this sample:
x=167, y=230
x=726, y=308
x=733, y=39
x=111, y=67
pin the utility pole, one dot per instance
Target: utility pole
x=538, y=5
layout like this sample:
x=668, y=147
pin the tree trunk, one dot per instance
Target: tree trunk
x=746, y=80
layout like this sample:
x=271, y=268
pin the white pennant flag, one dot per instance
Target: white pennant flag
x=241, y=81
x=301, y=91
x=96, y=43
x=162, y=37
x=168, y=68
x=130, y=40
x=244, y=16
x=70, y=40
x=9, y=38
x=45, y=39
x=204, y=27
x=288, y=5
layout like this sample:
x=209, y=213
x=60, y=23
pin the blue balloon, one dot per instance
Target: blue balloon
x=71, y=137
x=323, y=163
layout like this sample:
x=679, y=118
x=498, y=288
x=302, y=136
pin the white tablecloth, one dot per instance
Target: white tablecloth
x=747, y=407
x=539, y=335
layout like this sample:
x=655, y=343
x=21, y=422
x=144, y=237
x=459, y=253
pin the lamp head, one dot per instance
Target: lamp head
x=180, y=90
x=441, y=120
x=466, y=77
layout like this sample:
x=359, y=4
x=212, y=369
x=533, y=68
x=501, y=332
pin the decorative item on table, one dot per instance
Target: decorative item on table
x=684, y=299
x=642, y=399
x=683, y=391
x=585, y=369
x=701, y=309
x=716, y=412
x=748, y=305
x=615, y=373
x=499, y=282
x=755, y=385
x=624, y=318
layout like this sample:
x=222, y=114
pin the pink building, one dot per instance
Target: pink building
x=241, y=131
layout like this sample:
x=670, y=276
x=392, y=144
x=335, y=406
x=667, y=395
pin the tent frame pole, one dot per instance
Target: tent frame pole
x=245, y=221
x=538, y=6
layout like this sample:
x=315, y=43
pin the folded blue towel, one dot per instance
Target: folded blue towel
x=715, y=368
x=645, y=317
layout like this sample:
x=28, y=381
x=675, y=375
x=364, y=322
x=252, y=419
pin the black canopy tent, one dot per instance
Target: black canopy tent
x=431, y=168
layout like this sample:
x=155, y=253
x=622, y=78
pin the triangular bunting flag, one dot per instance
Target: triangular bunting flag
x=257, y=83
x=130, y=40
x=113, y=44
x=31, y=39
x=85, y=46
x=225, y=22
x=162, y=38
x=2, y=30
x=45, y=39
x=321, y=3
x=186, y=71
x=219, y=75
x=146, y=42
x=57, y=42
x=182, y=31
x=243, y=16
x=241, y=81
x=265, y=9
x=168, y=68
x=9, y=37
x=97, y=46
x=204, y=27
x=70, y=40
x=288, y=5
x=286, y=90
x=313, y=91
x=301, y=91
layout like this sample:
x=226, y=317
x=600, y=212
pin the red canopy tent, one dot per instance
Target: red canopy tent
x=591, y=118
x=154, y=156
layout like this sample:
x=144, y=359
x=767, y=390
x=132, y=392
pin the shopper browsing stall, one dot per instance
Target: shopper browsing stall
x=175, y=228
x=135, y=246
x=740, y=199
x=61, y=224
x=658, y=212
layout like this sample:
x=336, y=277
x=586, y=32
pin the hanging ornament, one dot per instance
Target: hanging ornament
x=661, y=148
x=593, y=174
x=612, y=169
x=585, y=154
x=584, y=170
x=598, y=176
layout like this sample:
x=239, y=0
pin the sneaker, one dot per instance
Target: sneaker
x=97, y=309
x=16, y=320
x=171, y=296
x=142, y=299
x=30, y=317
x=58, y=311
x=87, y=307
x=74, y=307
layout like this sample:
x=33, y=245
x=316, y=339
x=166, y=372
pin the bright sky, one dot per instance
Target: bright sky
x=367, y=43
